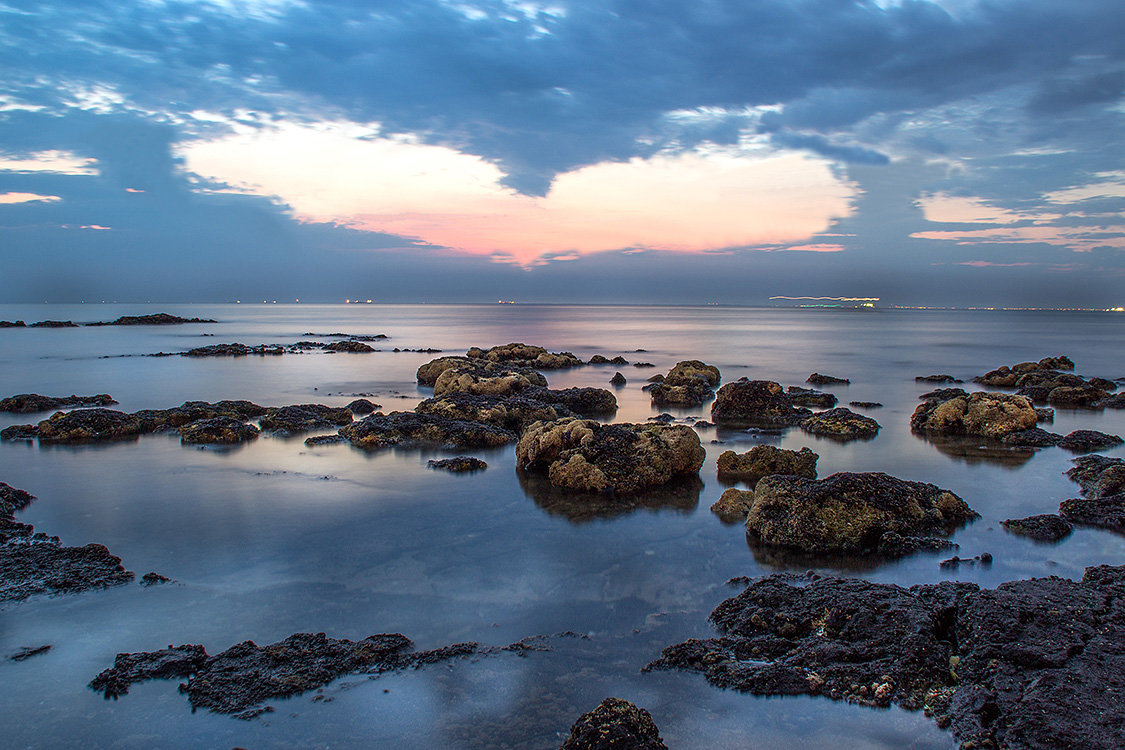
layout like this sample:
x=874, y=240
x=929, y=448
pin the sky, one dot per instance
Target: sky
x=925, y=152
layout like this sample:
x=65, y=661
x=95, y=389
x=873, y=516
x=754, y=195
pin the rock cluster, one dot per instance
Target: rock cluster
x=526, y=355
x=1007, y=377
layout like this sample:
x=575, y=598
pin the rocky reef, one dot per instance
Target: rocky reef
x=298, y=418
x=1033, y=663
x=29, y=403
x=615, y=724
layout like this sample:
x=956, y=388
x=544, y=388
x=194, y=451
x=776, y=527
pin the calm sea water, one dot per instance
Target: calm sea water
x=275, y=537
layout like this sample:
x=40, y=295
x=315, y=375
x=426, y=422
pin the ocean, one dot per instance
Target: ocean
x=276, y=537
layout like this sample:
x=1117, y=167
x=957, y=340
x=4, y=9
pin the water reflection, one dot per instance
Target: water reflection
x=976, y=450
x=579, y=507
x=785, y=558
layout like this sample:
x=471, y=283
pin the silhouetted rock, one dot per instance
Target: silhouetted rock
x=584, y=455
x=755, y=402
x=152, y=578
x=762, y=460
x=28, y=403
x=865, y=404
x=937, y=379
x=598, y=359
x=841, y=424
x=235, y=350
x=54, y=324
x=615, y=724
x=156, y=319
x=458, y=464
x=291, y=420
x=1031, y=664
x=409, y=429
x=1043, y=528
x=1088, y=441
x=12, y=324
x=362, y=407
x=850, y=512
x=29, y=651
x=618, y=379
x=220, y=430
x=985, y=414
x=817, y=379
x=351, y=346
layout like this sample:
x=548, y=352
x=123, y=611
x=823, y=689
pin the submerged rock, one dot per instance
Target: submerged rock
x=1043, y=528
x=850, y=512
x=762, y=460
x=409, y=429
x=508, y=412
x=28, y=403
x=1088, y=441
x=615, y=724
x=291, y=420
x=992, y=415
x=865, y=404
x=1034, y=663
x=586, y=456
x=220, y=430
x=755, y=402
x=526, y=355
x=817, y=379
x=89, y=425
x=841, y=424
x=458, y=464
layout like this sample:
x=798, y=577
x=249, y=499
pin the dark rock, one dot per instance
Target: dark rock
x=985, y=559
x=41, y=565
x=353, y=336
x=1043, y=528
x=194, y=411
x=326, y=440
x=28, y=403
x=686, y=394
x=291, y=420
x=235, y=350
x=1103, y=483
x=586, y=456
x=28, y=652
x=1006, y=377
x=865, y=404
x=615, y=724
x=127, y=669
x=12, y=324
x=409, y=429
x=937, y=379
x=1088, y=441
x=1076, y=396
x=1000, y=668
x=153, y=578
x=587, y=402
x=618, y=379
x=89, y=425
x=458, y=464
x=526, y=355
x=664, y=418
x=942, y=394
x=991, y=415
x=1113, y=402
x=507, y=412
x=598, y=359
x=762, y=460
x=156, y=319
x=849, y=512
x=13, y=499
x=1032, y=438
x=54, y=324
x=220, y=430
x=19, y=432
x=755, y=402
x=808, y=397
x=1098, y=475
x=354, y=347
x=362, y=407
x=702, y=424
x=841, y=424
x=896, y=545
x=1045, y=415
x=643, y=364
x=657, y=378
x=817, y=379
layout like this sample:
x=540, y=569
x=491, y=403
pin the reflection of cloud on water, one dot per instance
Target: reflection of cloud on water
x=681, y=495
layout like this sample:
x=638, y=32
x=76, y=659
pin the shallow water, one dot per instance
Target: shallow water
x=274, y=537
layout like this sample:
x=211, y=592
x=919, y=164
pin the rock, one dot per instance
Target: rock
x=664, y=418
x=152, y=578
x=409, y=429
x=512, y=413
x=325, y=440
x=429, y=372
x=1045, y=415
x=27, y=652
x=618, y=379
x=841, y=424
x=1103, y=483
x=755, y=402
x=657, y=378
x=586, y=456
x=194, y=411
x=598, y=359
x=849, y=512
x=353, y=347
x=235, y=350
x=808, y=397
x=615, y=724
x=817, y=379
x=588, y=402
x=525, y=355
x=762, y=460
x=246, y=675
x=291, y=420
x=220, y=430
x=362, y=407
x=28, y=403
x=54, y=324
x=644, y=364
x=1032, y=438
x=1074, y=396
x=89, y=425
x=1001, y=668
x=685, y=395
x=702, y=424
x=487, y=379
x=155, y=319
x=692, y=370
x=733, y=505
x=12, y=324
x=1006, y=377
x=1088, y=441
x=1043, y=528
x=865, y=404
x=937, y=379
x=19, y=432
x=1113, y=402
x=942, y=394
x=353, y=336
x=992, y=415
x=12, y=500
x=458, y=464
